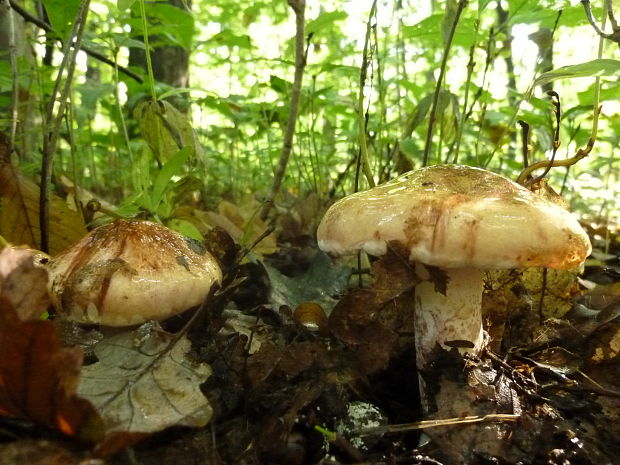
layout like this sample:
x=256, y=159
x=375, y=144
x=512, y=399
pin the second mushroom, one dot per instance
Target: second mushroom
x=462, y=220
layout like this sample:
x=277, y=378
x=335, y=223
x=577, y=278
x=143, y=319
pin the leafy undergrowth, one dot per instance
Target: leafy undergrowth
x=286, y=363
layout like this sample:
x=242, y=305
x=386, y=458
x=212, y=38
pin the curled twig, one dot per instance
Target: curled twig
x=581, y=153
x=613, y=36
x=557, y=110
x=525, y=136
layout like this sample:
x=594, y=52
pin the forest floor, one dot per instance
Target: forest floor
x=305, y=370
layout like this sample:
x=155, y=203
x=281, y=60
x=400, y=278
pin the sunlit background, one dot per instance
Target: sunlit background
x=239, y=58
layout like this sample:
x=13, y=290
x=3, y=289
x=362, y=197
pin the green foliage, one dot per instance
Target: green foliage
x=325, y=22
x=166, y=129
x=124, y=4
x=430, y=29
x=600, y=67
x=165, y=175
x=149, y=155
x=171, y=25
x=61, y=14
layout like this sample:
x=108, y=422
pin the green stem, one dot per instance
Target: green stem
x=149, y=65
x=54, y=119
x=361, y=121
x=470, y=72
x=597, y=82
x=442, y=71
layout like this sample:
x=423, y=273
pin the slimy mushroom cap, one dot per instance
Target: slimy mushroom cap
x=130, y=271
x=453, y=216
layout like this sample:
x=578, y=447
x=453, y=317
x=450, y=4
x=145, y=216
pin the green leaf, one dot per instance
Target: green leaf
x=185, y=227
x=429, y=30
x=123, y=5
x=599, y=67
x=226, y=107
x=528, y=12
x=164, y=177
x=448, y=20
x=61, y=14
x=91, y=92
x=420, y=113
x=123, y=40
x=230, y=39
x=166, y=129
x=179, y=91
x=610, y=90
x=174, y=25
x=324, y=21
x=280, y=85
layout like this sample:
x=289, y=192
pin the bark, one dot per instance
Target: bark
x=170, y=62
x=21, y=104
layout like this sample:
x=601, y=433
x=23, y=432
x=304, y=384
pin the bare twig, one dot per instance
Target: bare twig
x=557, y=110
x=581, y=153
x=470, y=71
x=361, y=119
x=14, y=74
x=47, y=28
x=525, y=136
x=424, y=424
x=442, y=71
x=615, y=34
x=299, y=8
x=53, y=119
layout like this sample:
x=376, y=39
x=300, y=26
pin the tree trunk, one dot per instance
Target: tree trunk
x=24, y=65
x=170, y=62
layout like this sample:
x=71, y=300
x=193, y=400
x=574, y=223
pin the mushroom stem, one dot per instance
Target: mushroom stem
x=455, y=316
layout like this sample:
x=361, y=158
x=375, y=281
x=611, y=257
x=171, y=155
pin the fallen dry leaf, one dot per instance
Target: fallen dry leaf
x=38, y=377
x=19, y=213
x=145, y=382
x=22, y=283
x=243, y=224
x=355, y=320
x=392, y=275
x=318, y=284
x=560, y=287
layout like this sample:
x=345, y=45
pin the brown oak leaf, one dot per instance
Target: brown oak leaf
x=38, y=377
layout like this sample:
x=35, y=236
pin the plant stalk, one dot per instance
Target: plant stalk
x=149, y=65
x=361, y=120
x=442, y=71
x=299, y=8
x=54, y=119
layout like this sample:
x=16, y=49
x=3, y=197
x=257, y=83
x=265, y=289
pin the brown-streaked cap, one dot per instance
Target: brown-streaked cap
x=129, y=271
x=453, y=216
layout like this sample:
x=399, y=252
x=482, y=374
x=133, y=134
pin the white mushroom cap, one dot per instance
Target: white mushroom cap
x=452, y=216
x=128, y=272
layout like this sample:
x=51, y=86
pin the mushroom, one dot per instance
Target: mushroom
x=130, y=271
x=461, y=220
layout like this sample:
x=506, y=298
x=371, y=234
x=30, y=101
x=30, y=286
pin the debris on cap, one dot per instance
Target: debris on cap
x=130, y=271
